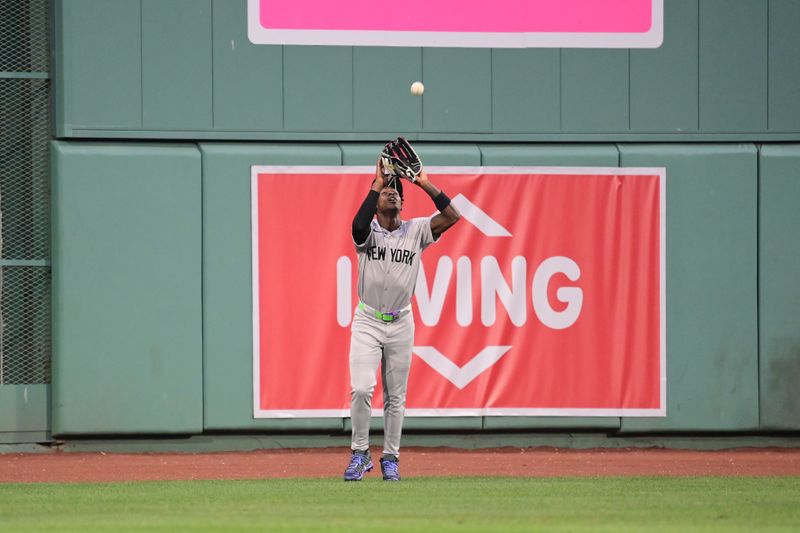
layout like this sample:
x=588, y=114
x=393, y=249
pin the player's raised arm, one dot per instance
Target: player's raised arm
x=368, y=207
x=448, y=214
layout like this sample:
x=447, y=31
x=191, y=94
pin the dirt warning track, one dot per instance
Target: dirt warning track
x=73, y=467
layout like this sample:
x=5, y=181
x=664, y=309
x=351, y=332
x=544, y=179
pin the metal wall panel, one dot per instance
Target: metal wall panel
x=382, y=99
x=248, y=85
x=733, y=65
x=318, y=88
x=664, y=80
x=594, y=90
x=98, y=63
x=194, y=75
x=526, y=90
x=176, y=65
x=458, y=90
x=784, y=65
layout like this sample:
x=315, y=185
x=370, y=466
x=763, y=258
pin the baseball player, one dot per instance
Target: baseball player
x=382, y=330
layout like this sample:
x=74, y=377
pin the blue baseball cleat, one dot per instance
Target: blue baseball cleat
x=360, y=464
x=389, y=467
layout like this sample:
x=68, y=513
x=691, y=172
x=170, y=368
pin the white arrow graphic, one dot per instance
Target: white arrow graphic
x=478, y=217
x=461, y=376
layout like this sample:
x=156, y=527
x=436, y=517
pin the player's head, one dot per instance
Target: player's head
x=391, y=197
x=395, y=183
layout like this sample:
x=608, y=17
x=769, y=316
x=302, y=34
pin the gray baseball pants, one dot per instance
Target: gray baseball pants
x=374, y=342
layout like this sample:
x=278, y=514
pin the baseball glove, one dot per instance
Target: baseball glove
x=400, y=160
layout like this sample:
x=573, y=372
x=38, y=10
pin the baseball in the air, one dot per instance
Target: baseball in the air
x=417, y=88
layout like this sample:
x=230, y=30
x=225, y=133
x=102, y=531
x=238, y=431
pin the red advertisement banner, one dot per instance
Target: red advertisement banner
x=547, y=299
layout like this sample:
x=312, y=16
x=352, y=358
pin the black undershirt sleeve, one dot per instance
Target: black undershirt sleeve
x=364, y=216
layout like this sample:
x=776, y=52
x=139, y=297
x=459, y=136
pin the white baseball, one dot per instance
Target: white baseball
x=417, y=88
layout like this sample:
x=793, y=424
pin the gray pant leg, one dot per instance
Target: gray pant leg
x=394, y=372
x=365, y=356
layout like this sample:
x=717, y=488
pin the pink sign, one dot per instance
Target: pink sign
x=550, y=305
x=500, y=24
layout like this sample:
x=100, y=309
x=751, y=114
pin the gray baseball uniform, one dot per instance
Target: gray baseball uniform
x=383, y=326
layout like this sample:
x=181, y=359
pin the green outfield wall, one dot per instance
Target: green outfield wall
x=160, y=107
x=141, y=231
x=778, y=289
x=128, y=231
x=184, y=69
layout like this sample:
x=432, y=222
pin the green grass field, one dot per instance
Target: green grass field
x=418, y=504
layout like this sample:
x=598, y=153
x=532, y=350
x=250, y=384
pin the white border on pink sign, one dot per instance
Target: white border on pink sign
x=650, y=39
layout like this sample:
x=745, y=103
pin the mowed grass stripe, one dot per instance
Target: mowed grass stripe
x=419, y=504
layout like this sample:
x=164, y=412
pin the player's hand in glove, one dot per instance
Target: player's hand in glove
x=400, y=159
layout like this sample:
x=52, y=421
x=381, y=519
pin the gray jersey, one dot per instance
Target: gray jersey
x=388, y=263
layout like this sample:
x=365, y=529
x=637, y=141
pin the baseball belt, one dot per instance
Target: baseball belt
x=386, y=317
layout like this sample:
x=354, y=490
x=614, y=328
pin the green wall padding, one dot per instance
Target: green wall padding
x=128, y=250
x=127, y=350
x=712, y=347
x=547, y=155
x=467, y=424
x=778, y=289
x=227, y=289
x=431, y=154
